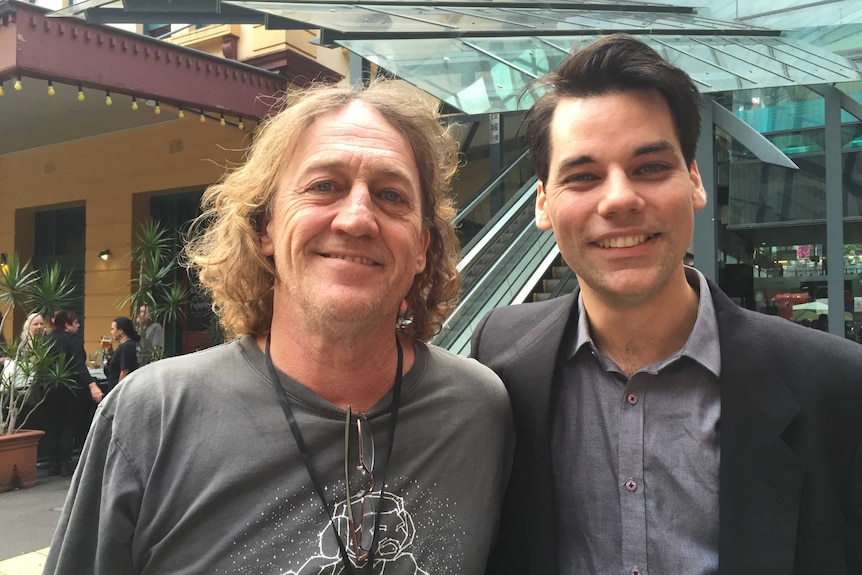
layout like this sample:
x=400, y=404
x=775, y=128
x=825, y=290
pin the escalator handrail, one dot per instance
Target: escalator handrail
x=467, y=297
x=487, y=190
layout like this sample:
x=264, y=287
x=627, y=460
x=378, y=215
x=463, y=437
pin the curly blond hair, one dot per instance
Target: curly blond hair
x=224, y=248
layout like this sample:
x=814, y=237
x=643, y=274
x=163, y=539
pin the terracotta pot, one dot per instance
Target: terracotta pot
x=18, y=459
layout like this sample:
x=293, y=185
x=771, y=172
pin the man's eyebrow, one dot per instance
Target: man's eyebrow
x=653, y=147
x=576, y=161
x=338, y=165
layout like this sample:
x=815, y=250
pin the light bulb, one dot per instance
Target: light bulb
x=80, y=94
x=181, y=114
x=134, y=103
x=241, y=126
x=18, y=85
x=51, y=90
x=157, y=110
x=221, y=122
x=108, y=99
x=203, y=118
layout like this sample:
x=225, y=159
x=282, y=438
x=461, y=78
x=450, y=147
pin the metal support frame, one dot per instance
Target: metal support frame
x=834, y=210
x=704, y=241
x=496, y=158
x=756, y=142
x=360, y=70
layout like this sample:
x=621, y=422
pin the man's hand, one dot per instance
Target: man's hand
x=96, y=392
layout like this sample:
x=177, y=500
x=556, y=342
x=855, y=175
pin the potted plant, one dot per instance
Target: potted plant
x=28, y=376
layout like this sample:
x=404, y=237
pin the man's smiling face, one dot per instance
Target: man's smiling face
x=619, y=195
x=346, y=227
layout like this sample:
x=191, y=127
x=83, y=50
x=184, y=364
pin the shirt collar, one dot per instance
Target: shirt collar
x=702, y=345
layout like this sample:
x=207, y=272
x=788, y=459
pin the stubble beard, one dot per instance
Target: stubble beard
x=339, y=317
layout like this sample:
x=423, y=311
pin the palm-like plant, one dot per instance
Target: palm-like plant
x=16, y=285
x=52, y=291
x=39, y=367
x=154, y=258
x=27, y=289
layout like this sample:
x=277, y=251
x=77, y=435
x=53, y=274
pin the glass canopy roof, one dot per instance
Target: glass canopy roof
x=478, y=56
x=355, y=21
x=484, y=75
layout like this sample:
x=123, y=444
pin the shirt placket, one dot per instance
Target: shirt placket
x=632, y=490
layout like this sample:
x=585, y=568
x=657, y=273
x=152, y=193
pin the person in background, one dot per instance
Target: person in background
x=63, y=406
x=152, y=335
x=125, y=358
x=87, y=404
x=34, y=326
x=661, y=427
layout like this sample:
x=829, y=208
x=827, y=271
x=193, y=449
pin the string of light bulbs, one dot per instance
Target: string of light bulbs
x=203, y=116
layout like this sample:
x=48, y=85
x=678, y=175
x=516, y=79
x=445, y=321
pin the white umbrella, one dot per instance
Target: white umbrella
x=812, y=310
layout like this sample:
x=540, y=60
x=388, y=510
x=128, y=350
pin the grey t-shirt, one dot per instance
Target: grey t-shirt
x=191, y=467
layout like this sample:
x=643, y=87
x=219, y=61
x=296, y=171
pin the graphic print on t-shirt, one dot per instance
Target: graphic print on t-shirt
x=293, y=536
x=393, y=546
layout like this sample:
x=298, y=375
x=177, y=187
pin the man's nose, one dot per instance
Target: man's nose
x=621, y=196
x=356, y=213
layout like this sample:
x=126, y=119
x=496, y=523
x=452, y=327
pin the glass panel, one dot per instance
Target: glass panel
x=763, y=193
x=829, y=37
x=612, y=20
x=429, y=18
x=598, y=4
x=531, y=55
x=818, y=14
x=853, y=180
x=340, y=17
x=451, y=71
x=78, y=8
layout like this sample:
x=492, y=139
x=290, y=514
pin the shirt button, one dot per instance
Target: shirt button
x=632, y=399
x=631, y=484
x=635, y=571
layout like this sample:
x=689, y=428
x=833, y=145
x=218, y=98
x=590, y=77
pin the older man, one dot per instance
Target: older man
x=661, y=428
x=327, y=438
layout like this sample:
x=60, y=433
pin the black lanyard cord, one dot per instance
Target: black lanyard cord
x=305, y=452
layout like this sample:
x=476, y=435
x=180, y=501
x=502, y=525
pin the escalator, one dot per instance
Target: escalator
x=503, y=262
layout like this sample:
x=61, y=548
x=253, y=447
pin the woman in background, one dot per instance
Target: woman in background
x=125, y=358
x=34, y=326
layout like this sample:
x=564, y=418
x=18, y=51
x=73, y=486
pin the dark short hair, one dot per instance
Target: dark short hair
x=63, y=318
x=614, y=64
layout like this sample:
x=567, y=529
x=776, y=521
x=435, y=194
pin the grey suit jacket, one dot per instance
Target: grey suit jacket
x=790, y=479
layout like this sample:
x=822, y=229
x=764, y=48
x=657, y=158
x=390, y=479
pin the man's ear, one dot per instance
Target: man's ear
x=422, y=254
x=543, y=221
x=698, y=198
x=267, y=248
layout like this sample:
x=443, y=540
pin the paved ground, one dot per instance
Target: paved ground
x=29, y=517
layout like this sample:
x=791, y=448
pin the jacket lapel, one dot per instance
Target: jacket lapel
x=541, y=346
x=537, y=351
x=760, y=478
